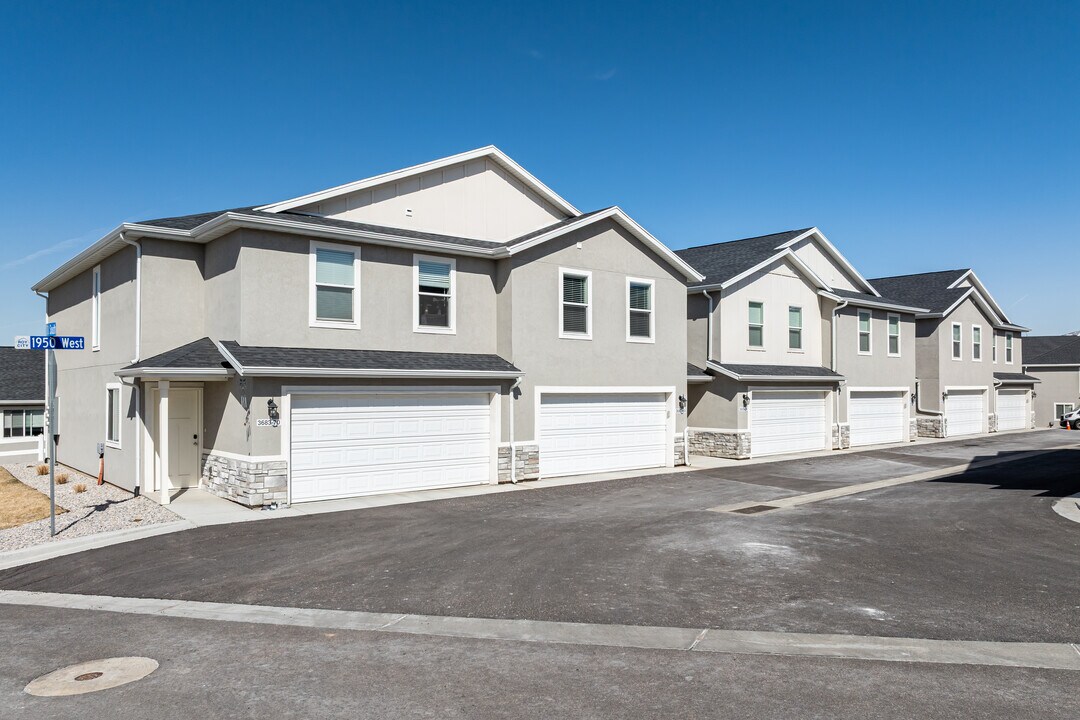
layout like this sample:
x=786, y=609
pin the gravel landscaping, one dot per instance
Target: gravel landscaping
x=102, y=508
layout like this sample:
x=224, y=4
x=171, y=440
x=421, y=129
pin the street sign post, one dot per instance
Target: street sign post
x=50, y=342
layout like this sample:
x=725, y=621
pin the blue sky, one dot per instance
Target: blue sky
x=917, y=136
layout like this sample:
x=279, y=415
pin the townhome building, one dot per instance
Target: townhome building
x=791, y=349
x=22, y=405
x=452, y=323
x=1054, y=360
x=969, y=356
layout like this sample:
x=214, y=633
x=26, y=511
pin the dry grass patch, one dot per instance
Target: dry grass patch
x=21, y=503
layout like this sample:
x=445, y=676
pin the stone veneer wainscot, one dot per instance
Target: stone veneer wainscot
x=249, y=483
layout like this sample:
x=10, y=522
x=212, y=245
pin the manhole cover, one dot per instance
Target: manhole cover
x=92, y=676
x=754, y=509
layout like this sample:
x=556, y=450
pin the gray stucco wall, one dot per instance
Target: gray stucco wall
x=173, y=309
x=937, y=370
x=1059, y=385
x=877, y=369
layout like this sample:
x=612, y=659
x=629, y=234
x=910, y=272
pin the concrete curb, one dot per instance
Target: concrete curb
x=49, y=550
x=1058, y=656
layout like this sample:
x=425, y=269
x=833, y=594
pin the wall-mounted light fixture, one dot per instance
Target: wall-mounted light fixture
x=914, y=398
x=1034, y=394
x=746, y=399
x=272, y=409
x=682, y=403
x=944, y=396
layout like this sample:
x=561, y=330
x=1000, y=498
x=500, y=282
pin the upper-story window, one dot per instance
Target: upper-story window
x=976, y=343
x=957, y=342
x=640, y=321
x=575, y=304
x=112, y=414
x=95, y=310
x=865, y=318
x=794, y=328
x=993, y=349
x=757, y=324
x=1008, y=348
x=894, y=335
x=334, y=299
x=434, y=286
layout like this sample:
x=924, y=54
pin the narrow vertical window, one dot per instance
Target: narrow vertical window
x=957, y=342
x=757, y=324
x=976, y=342
x=794, y=328
x=1008, y=348
x=639, y=307
x=434, y=296
x=334, y=296
x=112, y=415
x=865, y=318
x=575, y=313
x=95, y=309
x=894, y=335
x=993, y=348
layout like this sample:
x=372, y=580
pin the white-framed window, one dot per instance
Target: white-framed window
x=640, y=313
x=993, y=349
x=865, y=327
x=957, y=341
x=1008, y=348
x=24, y=422
x=794, y=341
x=95, y=309
x=575, y=304
x=334, y=282
x=976, y=343
x=434, y=294
x=894, y=335
x=1063, y=409
x=755, y=324
x=113, y=414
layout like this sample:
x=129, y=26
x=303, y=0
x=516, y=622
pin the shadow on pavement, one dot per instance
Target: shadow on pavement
x=1055, y=474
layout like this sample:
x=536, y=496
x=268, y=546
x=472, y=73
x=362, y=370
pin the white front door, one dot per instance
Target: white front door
x=877, y=417
x=349, y=444
x=183, y=437
x=965, y=412
x=602, y=432
x=1012, y=412
x=787, y=421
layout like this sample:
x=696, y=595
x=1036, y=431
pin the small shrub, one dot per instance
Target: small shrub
x=42, y=469
x=61, y=478
x=79, y=487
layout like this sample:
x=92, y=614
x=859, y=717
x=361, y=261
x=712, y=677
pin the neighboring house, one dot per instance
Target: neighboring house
x=452, y=323
x=1055, y=361
x=968, y=356
x=22, y=403
x=792, y=350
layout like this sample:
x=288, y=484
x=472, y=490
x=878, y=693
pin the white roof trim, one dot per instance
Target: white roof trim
x=172, y=372
x=862, y=302
x=776, y=378
x=377, y=373
x=836, y=255
x=616, y=213
x=785, y=254
x=999, y=322
x=987, y=297
x=489, y=152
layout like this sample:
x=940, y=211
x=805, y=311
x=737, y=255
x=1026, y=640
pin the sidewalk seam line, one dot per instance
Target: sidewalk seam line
x=699, y=638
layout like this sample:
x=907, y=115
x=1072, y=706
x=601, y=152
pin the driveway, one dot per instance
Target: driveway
x=977, y=556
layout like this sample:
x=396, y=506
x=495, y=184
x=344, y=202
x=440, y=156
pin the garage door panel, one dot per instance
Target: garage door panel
x=783, y=422
x=965, y=412
x=877, y=417
x=1012, y=412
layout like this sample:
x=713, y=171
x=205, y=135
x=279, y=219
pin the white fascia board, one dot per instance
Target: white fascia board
x=229, y=357
x=987, y=297
x=623, y=219
x=490, y=151
x=1046, y=365
x=777, y=378
x=22, y=402
x=376, y=373
x=861, y=302
x=785, y=254
x=836, y=255
x=176, y=373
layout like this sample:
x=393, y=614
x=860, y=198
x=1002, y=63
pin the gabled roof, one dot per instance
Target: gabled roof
x=941, y=293
x=1051, y=350
x=491, y=152
x=22, y=376
x=874, y=301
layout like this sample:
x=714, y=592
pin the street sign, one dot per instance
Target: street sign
x=50, y=342
x=50, y=328
x=22, y=342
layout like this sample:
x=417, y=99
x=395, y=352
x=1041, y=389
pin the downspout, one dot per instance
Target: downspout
x=832, y=366
x=513, y=452
x=918, y=401
x=135, y=384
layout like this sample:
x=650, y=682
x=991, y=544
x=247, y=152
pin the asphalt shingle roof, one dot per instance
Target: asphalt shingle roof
x=693, y=371
x=334, y=359
x=1051, y=350
x=925, y=290
x=1021, y=378
x=722, y=261
x=201, y=354
x=856, y=296
x=22, y=375
x=782, y=370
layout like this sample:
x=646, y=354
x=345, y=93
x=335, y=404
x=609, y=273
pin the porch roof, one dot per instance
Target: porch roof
x=1015, y=378
x=776, y=373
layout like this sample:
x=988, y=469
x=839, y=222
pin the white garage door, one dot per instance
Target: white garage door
x=361, y=444
x=877, y=417
x=602, y=432
x=786, y=422
x=1012, y=411
x=965, y=412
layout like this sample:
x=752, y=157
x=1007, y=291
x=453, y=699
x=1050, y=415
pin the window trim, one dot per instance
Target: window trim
x=587, y=274
x=313, y=319
x=1009, y=348
x=451, y=309
x=993, y=350
x=761, y=347
x=1071, y=406
x=652, y=309
x=869, y=332
x=95, y=309
x=24, y=410
x=889, y=336
x=956, y=345
x=800, y=328
x=976, y=345
x=109, y=442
